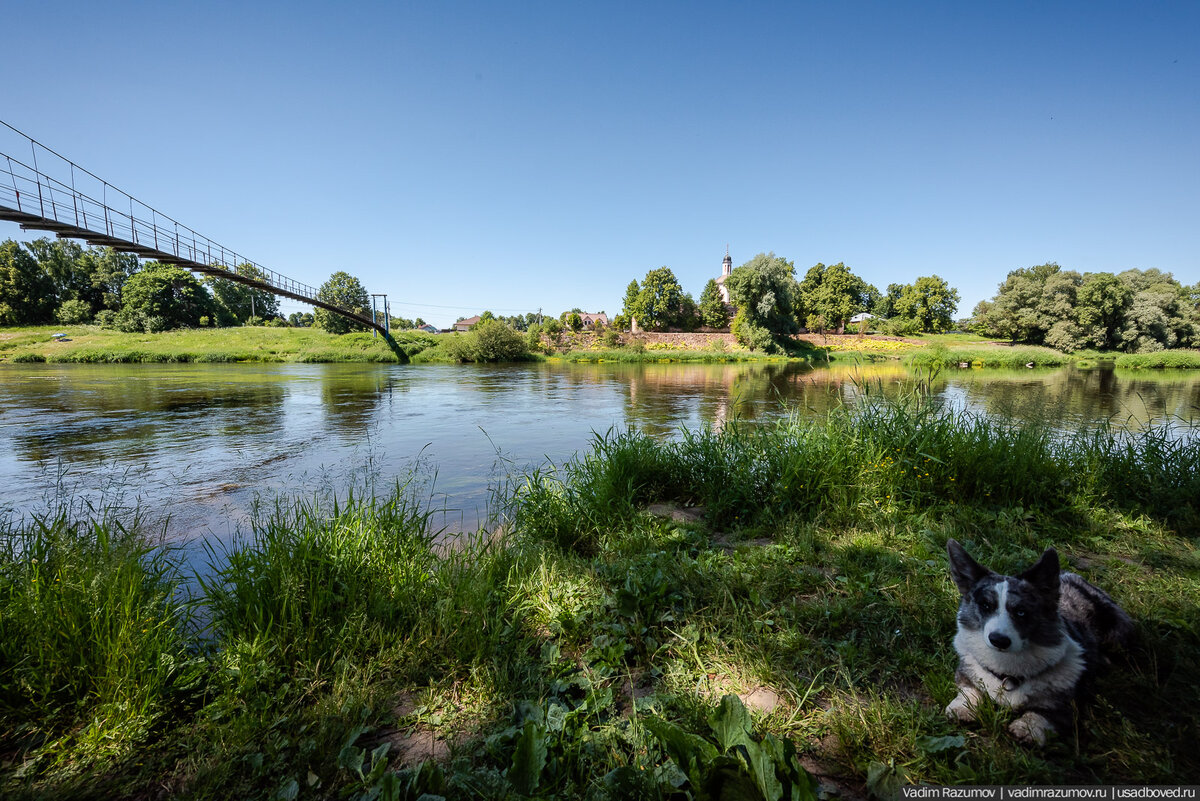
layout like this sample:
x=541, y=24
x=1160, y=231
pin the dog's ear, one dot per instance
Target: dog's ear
x=1044, y=574
x=963, y=569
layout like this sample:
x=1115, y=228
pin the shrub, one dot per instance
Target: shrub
x=73, y=312
x=496, y=342
x=460, y=347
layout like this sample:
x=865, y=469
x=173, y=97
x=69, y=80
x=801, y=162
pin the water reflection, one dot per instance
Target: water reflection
x=202, y=441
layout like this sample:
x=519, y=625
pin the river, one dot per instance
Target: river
x=200, y=443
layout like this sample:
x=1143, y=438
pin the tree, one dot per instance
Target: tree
x=109, y=270
x=659, y=302
x=1014, y=311
x=162, y=296
x=236, y=303
x=62, y=260
x=631, y=299
x=345, y=291
x=26, y=291
x=764, y=290
x=885, y=306
x=575, y=322
x=300, y=319
x=929, y=302
x=835, y=293
x=712, y=309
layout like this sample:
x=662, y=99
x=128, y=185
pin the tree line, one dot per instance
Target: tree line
x=59, y=281
x=769, y=303
x=1136, y=311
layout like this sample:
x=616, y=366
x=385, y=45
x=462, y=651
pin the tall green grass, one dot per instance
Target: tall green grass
x=93, y=641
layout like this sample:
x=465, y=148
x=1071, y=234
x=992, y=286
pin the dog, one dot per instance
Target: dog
x=1029, y=642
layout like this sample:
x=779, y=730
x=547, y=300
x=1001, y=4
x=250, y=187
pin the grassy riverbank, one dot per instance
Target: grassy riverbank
x=94, y=345
x=89, y=344
x=585, y=650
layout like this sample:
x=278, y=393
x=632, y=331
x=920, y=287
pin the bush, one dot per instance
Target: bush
x=496, y=342
x=73, y=312
x=106, y=318
x=130, y=320
x=460, y=347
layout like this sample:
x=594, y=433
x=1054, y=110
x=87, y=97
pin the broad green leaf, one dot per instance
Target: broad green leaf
x=289, y=790
x=529, y=759
x=934, y=745
x=731, y=723
x=691, y=753
x=884, y=781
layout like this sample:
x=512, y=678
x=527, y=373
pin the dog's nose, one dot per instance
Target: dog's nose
x=999, y=640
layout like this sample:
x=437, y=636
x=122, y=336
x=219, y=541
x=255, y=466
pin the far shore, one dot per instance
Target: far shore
x=91, y=344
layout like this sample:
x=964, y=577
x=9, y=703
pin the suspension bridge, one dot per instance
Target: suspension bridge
x=51, y=193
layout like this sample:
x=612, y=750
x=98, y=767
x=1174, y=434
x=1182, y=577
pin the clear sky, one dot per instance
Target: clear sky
x=520, y=155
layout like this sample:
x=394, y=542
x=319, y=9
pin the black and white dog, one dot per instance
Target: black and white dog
x=1028, y=641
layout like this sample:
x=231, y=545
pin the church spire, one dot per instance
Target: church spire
x=727, y=265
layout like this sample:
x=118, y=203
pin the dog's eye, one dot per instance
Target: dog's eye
x=1019, y=612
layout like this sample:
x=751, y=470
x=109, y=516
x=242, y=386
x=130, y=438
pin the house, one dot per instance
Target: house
x=858, y=318
x=465, y=325
x=427, y=328
x=591, y=320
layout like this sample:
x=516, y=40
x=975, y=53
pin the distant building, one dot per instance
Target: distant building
x=427, y=328
x=465, y=325
x=590, y=320
x=726, y=269
x=858, y=318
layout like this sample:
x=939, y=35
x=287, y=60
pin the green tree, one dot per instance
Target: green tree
x=659, y=301
x=929, y=301
x=575, y=322
x=63, y=261
x=165, y=296
x=885, y=306
x=236, y=302
x=631, y=299
x=764, y=290
x=835, y=293
x=1101, y=306
x=345, y=291
x=713, y=313
x=300, y=319
x=26, y=291
x=110, y=270
x=1014, y=313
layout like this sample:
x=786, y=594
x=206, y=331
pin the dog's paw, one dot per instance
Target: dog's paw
x=962, y=708
x=1031, y=729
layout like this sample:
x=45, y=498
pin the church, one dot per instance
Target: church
x=726, y=269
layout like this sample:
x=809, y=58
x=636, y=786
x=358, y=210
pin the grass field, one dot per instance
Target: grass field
x=95, y=345
x=747, y=613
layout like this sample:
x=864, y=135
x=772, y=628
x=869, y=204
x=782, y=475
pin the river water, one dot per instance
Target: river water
x=201, y=443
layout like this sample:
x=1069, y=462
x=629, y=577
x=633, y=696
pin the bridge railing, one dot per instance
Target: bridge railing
x=46, y=184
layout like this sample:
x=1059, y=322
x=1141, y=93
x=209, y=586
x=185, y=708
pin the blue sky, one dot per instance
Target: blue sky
x=513, y=156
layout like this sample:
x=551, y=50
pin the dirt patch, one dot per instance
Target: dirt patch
x=680, y=514
x=1085, y=560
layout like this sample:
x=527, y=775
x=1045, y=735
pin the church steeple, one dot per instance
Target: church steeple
x=727, y=265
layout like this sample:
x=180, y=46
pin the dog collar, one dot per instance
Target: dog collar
x=1010, y=682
